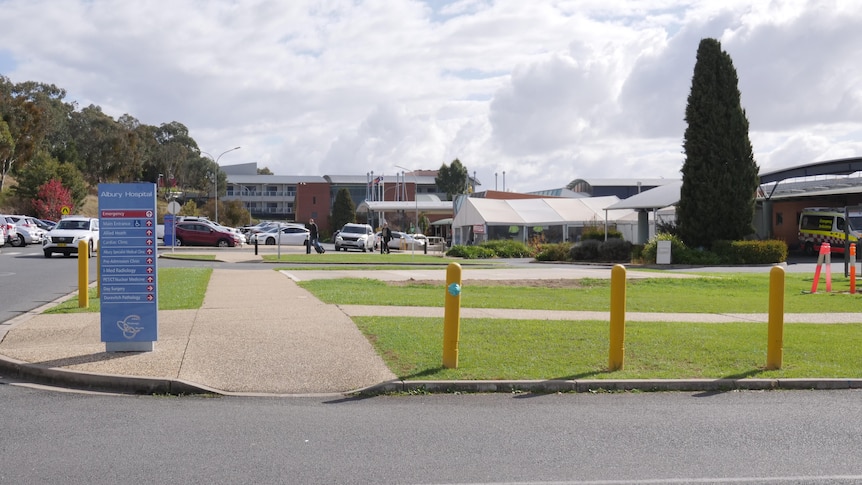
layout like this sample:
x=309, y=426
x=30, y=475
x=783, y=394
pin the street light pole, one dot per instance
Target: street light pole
x=216, y=176
x=416, y=202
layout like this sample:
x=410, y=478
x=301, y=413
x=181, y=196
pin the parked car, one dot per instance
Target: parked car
x=26, y=231
x=203, y=233
x=355, y=236
x=7, y=228
x=288, y=235
x=402, y=240
x=259, y=227
x=66, y=235
x=45, y=224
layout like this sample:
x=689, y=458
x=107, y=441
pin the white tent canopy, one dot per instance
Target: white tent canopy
x=560, y=219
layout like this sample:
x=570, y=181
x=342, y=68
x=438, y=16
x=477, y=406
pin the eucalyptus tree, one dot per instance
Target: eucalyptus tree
x=452, y=179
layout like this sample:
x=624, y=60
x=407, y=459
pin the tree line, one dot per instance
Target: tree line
x=44, y=137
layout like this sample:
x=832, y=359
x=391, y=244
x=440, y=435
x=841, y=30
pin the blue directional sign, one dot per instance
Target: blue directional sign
x=128, y=278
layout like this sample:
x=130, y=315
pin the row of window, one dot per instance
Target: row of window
x=238, y=192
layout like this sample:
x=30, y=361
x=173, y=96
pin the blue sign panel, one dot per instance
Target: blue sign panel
x=129, y=296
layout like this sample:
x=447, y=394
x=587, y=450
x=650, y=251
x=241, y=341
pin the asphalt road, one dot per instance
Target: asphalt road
x=28, y=280
x=622, y=438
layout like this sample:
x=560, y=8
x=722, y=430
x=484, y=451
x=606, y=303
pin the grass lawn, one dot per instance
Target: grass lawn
x=532, y=349
x=539, y=349
x=708, y=293
x=526, y=349
x=179, y=289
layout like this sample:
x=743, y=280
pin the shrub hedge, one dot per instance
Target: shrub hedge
x=554, y=252
x=723, y=252
x=504, y=248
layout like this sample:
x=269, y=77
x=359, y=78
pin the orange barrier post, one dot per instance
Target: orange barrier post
x=852, y=268
x=817, y=271
x=824, y=256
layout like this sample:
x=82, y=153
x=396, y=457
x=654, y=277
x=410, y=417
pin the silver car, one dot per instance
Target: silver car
x=25, y=231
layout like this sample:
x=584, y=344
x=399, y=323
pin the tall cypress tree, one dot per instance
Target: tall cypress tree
x=719, y=175
x=343, y=210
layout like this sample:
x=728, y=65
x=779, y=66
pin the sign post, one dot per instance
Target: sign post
x=128, y=269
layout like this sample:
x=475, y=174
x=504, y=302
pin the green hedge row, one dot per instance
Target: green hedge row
x=723, y=252
x=504, y=248
x=619, y=250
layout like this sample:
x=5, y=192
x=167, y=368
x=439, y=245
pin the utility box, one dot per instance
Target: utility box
x=662, y=252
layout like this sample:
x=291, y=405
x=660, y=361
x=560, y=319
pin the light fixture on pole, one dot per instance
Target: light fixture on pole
x=216, y=159
x=416, y=202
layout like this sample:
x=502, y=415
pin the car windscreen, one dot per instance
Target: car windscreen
x=354, y=230
x=72, y=225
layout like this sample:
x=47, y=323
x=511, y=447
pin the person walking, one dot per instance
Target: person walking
x=386, y=236
x=314, y=236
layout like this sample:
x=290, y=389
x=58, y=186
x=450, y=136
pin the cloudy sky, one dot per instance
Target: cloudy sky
x=547, y=91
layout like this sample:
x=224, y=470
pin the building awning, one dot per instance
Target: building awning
x=657, y=198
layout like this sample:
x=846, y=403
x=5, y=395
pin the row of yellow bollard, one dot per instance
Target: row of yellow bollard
x=775, y=332
x=616, y=353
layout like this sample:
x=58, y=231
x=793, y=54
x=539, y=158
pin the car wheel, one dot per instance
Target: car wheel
x=17, y=241
x=178, y=242
x=47, y=254
x=270, y=241
x=91, y=251
x=809, y=249
x=222, y=243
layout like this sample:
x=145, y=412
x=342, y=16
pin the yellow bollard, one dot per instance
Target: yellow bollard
x=452, y=316
x=775, y=337
x=83, y=274
x=616, y=356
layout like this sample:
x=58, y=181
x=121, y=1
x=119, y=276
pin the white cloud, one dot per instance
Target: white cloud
x=548, y=90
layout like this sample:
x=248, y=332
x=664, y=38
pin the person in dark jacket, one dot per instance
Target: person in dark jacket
x=314, y=236
x=385, y=236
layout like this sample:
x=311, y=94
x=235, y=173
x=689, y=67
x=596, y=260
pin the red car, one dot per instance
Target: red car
x=202, y=234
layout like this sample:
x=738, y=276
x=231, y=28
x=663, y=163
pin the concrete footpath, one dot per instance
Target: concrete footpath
x=259, y=333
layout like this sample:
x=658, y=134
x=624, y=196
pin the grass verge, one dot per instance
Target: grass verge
x=707, y=293
x=525, y=349
x=179, y=289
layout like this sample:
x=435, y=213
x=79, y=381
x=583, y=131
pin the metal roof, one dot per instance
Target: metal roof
x=657, y=198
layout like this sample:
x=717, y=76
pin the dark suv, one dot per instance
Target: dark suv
x=201, y=233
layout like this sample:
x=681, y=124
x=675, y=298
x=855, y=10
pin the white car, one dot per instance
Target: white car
x=25, y=231
x=355, y=236
x=290, y=235
x=402, y=240
x=66, y=235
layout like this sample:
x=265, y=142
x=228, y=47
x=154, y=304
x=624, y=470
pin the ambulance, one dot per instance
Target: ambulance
x=818, y=225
